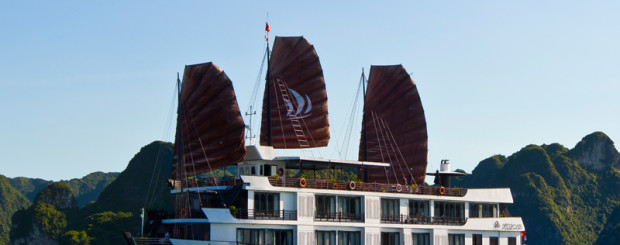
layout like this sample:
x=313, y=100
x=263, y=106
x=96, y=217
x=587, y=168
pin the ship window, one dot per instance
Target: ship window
x=264, y=236
x=421, y=238
x=349, y=238
x=449, y=211
x=476, y=239
x=477, y=210
x=418, y=209
x=338, y=208
x=350, y=207
x=266, y=203
x=456, y=239
x=325, y=206
x=390, y=210
x=326, y=237
x=390, y=238
x=493, y=240
x=512, y=241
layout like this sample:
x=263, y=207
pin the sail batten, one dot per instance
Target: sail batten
x=211, y=129
x=394, y=127
x=295, y=99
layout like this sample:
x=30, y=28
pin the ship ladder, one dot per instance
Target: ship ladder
x=297, y=128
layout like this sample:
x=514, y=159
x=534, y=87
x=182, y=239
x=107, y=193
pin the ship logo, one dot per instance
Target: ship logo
x=496, y=225
x=304, y=105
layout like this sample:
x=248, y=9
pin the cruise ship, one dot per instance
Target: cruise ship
x=380, y=198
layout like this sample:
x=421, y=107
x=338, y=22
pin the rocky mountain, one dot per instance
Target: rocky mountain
x=86, y=189
x=143, y=180
x=11, y=201
x=611, y=230
x=564, y=196
x=44, y=222
x=56, y=218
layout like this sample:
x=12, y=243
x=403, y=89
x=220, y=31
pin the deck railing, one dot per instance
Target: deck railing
x=405, y=219
x=270, y=215
x=339, y=217
x=362, y=186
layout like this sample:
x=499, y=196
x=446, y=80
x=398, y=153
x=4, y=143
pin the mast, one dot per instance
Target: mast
x=268, y=86
x=365, y=170
x=179, y=143
x=364, y=115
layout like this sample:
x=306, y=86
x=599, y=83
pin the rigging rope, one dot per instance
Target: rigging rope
x=150, y=196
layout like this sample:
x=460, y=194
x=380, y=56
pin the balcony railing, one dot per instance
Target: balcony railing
x=338, y=217
x=405, y=219
x=265, y=214
x=449, y=220
x=362, y=186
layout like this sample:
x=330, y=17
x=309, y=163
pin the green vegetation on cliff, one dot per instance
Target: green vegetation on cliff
x=11, y=201
x=56, y=216
x=561, y=200
x=85, y=189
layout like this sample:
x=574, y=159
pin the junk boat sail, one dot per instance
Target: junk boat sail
x=307, y=200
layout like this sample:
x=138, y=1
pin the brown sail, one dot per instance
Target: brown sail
x=295, y=102
x=210, y=129
x=394, y=127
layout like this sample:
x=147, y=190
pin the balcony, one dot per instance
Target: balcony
x=405, y=219
x=265, y=215
x=338, y=217
x=362, y=186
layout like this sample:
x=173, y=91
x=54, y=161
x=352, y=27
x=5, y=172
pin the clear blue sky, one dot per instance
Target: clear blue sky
x=86, y=84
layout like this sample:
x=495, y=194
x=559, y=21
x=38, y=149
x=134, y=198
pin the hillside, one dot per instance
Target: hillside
x=86, y=189
x=55, y=218
x=11, y=201
x=128, y=192
x=564, y=196
x=611, y=230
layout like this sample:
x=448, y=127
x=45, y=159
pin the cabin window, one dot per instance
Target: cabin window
x=264, y=236
x=390, y=238
x=512, y=241
x=349, y=238
x=325, y=206
x=325, y=237
x=478, y=210
x=456, y=239
x=449, y=213
x=390, y=210
x=494, y=240
x=418, y=209
x=476, y=239
x=266, y=204
x=421, y=238
x=338, y=208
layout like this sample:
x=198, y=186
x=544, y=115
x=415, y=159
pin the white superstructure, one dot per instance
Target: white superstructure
x=269, y=208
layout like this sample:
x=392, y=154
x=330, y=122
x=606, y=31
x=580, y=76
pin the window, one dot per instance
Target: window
x=390, y=238
x=326, y=237
x=477, y=210
x=456, y=239
x=476, y=239
x=338, y=208
x=493, y=240
x=266, y=204
x=418, y=212
x=421, y=238
x=264, y=236
x=449, y=213
x=350, y=207
x=512, y=241
x=349, y=238
x=390, y=210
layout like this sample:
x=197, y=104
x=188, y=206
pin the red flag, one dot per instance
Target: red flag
x=267, y=27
